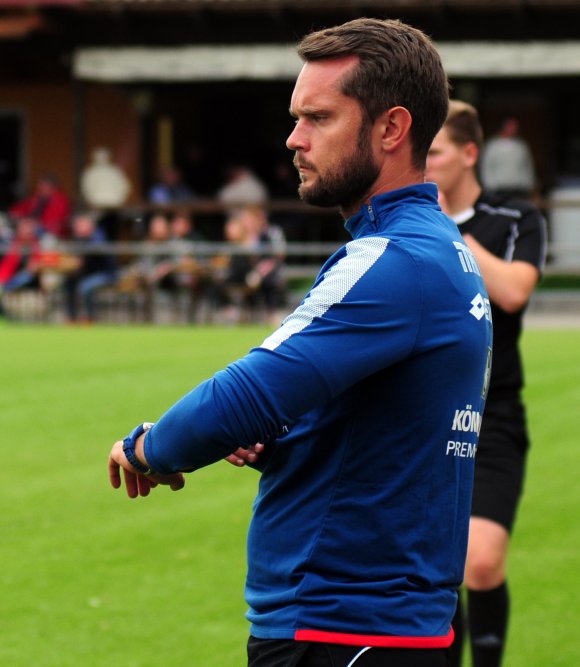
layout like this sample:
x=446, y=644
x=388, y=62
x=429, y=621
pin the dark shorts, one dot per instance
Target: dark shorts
x=500, y=462
x=289, y=653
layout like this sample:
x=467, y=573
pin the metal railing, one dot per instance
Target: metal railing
x=304, y=257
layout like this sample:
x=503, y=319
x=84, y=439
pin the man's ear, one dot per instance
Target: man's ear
x=395, y=126
x=471, y=154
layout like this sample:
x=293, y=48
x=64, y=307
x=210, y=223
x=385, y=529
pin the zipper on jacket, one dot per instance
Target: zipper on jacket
x=371, y=212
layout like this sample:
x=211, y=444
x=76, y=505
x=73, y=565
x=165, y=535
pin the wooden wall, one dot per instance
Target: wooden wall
x=53, y=113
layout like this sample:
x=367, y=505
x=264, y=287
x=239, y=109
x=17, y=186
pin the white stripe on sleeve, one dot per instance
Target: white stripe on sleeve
x=360, y=256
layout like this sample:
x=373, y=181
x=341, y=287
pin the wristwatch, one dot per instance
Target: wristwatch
x=129, y=448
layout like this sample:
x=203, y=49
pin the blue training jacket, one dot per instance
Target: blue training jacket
x=369, y=397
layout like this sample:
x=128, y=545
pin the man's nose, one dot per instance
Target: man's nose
x=297, y=139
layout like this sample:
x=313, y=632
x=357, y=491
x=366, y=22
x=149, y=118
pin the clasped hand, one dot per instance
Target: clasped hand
x=137, y=484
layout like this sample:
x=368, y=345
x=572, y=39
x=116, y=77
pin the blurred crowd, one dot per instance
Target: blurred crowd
x=64, y=258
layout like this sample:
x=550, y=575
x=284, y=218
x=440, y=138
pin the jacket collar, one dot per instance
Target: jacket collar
x=372, y=216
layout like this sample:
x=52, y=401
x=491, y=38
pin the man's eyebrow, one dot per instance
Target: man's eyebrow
x=308, y=111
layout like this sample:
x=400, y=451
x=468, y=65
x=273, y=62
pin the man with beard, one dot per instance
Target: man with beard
x=368, y=398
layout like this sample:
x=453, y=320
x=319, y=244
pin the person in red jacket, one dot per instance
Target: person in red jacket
x=18, y=267
x=48, y=204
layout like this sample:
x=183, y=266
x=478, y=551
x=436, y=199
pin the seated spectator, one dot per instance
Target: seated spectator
x=48, y=204
x=266, y=276
x=187, y=271
x=230, y=293
x=166, y=267
x=242, y=188
x=19, y=266
x=154, y=266
x=171, y=188
x=252, y=276
x=183, y=229
x=91, y=271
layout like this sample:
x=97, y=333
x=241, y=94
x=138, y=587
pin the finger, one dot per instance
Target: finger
x=235, y=460
x=246, y=454
x=178, y=483
x=175, y=481
x=131, y=483
x=114, y=474
x=143, y=485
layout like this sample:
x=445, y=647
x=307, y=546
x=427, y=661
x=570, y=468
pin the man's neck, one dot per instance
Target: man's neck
x=387, y=182
x=462, y=197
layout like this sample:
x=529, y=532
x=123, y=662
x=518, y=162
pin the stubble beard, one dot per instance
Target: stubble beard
x=345, y=188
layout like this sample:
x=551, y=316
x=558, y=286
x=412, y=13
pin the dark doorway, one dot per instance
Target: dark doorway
x=11, y=151
x=214, y=124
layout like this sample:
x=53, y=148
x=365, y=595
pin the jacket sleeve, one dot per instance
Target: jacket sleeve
x=361, y=316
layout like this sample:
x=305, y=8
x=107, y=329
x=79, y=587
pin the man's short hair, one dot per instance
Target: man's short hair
x=399, y=66
x=462, y=124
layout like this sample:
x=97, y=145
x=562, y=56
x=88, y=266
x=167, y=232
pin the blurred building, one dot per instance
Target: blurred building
x=199, y=83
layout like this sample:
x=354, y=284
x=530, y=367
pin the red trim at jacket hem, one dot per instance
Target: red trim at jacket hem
x=374, y=640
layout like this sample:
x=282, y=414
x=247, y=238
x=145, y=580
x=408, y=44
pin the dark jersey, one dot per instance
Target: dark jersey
x=515, y=231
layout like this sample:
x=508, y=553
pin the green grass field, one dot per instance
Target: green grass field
x=93, y=579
